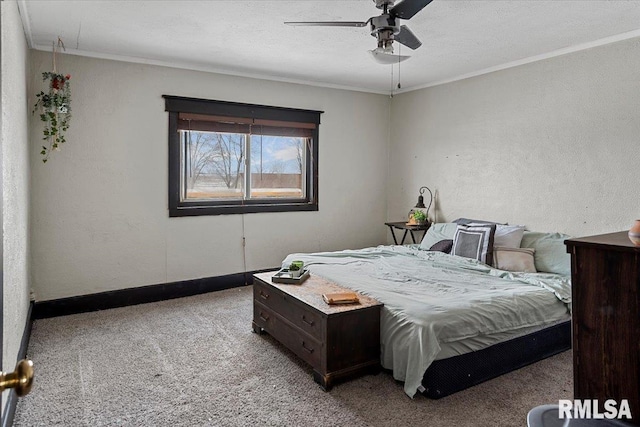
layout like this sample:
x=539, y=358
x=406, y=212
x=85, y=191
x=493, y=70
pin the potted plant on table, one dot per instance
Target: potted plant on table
x=417, y=218
x=295, y=268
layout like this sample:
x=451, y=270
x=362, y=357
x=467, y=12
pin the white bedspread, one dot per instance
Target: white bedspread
x=431, y=297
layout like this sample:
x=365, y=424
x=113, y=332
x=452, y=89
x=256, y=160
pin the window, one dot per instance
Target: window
x=228, y=158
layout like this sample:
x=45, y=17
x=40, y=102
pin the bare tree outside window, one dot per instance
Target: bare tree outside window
x=215, y=164
x=228, y=157
x=298, y=143
x=277, y=167
x=199, y=155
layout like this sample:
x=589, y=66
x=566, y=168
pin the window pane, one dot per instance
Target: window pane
x=278, y=167
x=213, y=166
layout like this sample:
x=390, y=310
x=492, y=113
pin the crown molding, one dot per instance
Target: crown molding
x=26, y=23
x=210, y=69
x=528, y=60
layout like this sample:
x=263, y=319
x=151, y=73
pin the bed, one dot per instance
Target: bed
x=449, y=321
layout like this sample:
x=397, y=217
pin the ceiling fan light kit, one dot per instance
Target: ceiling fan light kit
x=382, y=57
x=385, y=28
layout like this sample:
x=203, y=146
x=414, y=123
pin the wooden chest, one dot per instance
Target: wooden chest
x=338, y=341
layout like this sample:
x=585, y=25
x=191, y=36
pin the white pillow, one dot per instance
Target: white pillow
x=508, y=236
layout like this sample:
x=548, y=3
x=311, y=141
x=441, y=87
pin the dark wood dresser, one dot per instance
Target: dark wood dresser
x=605, y=275
x=338, y=341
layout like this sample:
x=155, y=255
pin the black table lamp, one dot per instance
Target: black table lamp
x=420, y=204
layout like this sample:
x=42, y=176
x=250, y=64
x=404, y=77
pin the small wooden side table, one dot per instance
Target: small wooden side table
x=407, y=228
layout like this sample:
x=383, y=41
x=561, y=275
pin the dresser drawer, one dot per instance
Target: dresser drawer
x=307, y=348
x=304, y=317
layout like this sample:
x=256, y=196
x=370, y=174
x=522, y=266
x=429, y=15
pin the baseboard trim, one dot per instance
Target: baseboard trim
x=12, y=401
x=141, y=295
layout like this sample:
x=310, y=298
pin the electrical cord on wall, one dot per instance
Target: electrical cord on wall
x=246, y=171
x=244, y=252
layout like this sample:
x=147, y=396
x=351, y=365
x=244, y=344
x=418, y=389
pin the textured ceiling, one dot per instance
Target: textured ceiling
x=460, y=38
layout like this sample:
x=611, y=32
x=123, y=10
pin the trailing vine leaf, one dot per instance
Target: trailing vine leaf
x=55, y=111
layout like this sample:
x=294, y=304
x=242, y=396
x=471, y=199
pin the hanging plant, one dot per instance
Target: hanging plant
x=54, y=107
x=55, y=111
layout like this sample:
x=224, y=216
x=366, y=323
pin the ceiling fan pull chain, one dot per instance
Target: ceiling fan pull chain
x=391, y=92
x=399, y=56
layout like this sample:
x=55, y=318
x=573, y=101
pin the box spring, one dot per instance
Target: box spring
x=447, y=376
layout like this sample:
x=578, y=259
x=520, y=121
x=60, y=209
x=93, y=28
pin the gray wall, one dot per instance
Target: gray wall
x=15, y=169
x=100, y=214
x=554, y=145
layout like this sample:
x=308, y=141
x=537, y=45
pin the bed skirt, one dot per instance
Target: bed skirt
x=447, y=376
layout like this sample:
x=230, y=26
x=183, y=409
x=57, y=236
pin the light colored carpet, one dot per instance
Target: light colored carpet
x=195, y=362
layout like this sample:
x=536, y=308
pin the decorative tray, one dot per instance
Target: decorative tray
x=284, y=276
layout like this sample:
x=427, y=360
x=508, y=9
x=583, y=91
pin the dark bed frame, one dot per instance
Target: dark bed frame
x=451, y=375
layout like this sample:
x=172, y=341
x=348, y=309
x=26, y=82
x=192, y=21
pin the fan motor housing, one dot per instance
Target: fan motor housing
x=384, y=23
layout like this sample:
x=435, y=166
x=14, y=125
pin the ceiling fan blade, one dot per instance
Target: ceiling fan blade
x=408, y=8
x=329, y=24
x=407, y=38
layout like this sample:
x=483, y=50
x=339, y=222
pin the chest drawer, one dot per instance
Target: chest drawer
x=307, y=348
x=304, y=317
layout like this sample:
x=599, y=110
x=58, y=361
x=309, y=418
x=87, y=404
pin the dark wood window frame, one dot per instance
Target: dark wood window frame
x=179, y=207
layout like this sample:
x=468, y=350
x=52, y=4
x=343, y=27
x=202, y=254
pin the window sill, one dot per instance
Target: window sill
x=195, y=210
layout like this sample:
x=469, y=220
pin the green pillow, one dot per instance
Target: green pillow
x=551, y=254
x=438, y=232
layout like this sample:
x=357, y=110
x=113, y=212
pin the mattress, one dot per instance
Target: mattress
x=437, y=304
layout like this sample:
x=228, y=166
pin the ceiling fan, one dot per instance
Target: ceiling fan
x=385, y=28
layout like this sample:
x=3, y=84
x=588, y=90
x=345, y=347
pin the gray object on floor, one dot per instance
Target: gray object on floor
x=548, y=416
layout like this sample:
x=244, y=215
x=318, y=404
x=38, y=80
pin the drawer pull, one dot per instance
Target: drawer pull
x=308, y=349
x=308, y=322
x=263, y=295
x=263, y=317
